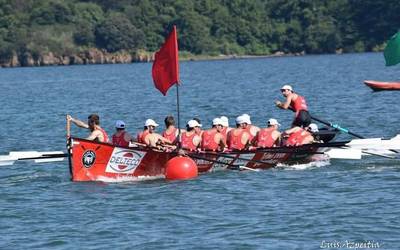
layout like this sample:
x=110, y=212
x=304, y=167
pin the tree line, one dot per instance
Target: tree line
x=210, y=27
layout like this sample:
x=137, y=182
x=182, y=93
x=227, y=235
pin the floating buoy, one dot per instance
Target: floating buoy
x=180, y=168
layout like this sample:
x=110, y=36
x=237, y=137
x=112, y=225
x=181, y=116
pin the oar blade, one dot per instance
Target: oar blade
x=7, y=160
x=341, y=153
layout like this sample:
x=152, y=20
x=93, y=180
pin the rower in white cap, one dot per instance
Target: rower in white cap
x=190, y=139
x=149, y=137
x=297, y=104
x=213, y=139
x=252, y=129
x=269, y=136
x=121, y=137
x=239, y=137
x=225, y=124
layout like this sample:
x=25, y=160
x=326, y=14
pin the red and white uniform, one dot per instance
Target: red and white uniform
x=187, y=141
x=170, y=136
x=105, y=136
x=235, y=141
x=142, y=135
x=264, y=138
x=299, y=104
x=208, y=140
x=297, y=138
x=119, y=140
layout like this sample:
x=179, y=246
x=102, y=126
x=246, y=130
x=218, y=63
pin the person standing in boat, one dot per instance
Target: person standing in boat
x=96, y=132
x=297, y=104
x=191, y=139
x=121, y=137
x=213, y=139
x=149, y=137
x=239, y=137
x=269, y=136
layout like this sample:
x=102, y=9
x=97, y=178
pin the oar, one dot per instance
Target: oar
x=221, y=162
x=336, y=126
x=39, y=157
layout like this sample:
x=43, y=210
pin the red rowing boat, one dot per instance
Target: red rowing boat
x=379, y=86
x=94, y=161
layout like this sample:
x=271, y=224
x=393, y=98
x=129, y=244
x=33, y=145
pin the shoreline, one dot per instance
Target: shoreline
x=95, y=56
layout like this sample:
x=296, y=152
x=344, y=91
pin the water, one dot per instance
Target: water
x=337, y=204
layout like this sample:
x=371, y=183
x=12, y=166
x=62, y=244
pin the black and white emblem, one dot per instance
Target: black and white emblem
x=88, y=158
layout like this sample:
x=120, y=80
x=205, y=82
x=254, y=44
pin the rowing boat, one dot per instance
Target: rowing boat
x=94, y=161
x=379, y=86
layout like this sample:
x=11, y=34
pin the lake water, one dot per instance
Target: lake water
x=339, y=204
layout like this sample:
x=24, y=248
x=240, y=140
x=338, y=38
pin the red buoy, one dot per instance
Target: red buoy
x=180, y=168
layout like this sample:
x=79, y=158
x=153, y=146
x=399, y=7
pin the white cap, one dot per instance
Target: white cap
x=247, y=118
x=225, y=121
x=242, y=119
x=120, y=124
x=217, y=121
x=313, y=127
x=273, y=121
x=150, y=122
x=193, y=123
x=288, y=87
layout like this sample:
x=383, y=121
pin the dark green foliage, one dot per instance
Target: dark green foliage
x=255, y=27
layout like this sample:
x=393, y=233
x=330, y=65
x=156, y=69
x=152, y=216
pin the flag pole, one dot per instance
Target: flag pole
x=178, y=111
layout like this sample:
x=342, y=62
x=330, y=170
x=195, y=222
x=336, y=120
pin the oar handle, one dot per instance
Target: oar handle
x=336, y=126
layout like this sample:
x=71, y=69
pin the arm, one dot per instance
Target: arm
x=286, y=104
x=77, y=122
x=96, y=134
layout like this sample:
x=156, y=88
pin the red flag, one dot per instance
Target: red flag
x=165, y=69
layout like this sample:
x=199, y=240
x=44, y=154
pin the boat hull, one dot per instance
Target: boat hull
x=380, y=86
x=92, y=161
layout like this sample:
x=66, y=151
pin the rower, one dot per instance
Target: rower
x=313, y=129
x=170, y=132
x=121, y=137
x=252, y=129
x=297, y=136
x=225, y=124
x=296, y=103
x=191, y=139
x=239, y=137
x=213, y=139
x=96, y=132
x=268, y=137
x=199, y=131
x=149, y=137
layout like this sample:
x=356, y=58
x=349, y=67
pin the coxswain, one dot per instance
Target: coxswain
x=149, y=137
x=297, y=136
x=225, y=124
x=213, y=139
x=239, y=137
x=170, y=132
x=297, y=104
x=121, y=137
x=190, y=139
x=252, y=129
x=269, y=136
x=96, y=132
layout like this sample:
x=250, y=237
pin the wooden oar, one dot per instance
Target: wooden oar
x=233, y=166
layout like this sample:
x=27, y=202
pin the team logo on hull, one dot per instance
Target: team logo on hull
x=88, y=158
x=124, y=161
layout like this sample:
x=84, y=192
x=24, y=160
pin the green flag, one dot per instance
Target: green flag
x=392, y=50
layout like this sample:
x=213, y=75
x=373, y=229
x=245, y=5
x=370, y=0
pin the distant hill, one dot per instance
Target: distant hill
x=42, y=32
